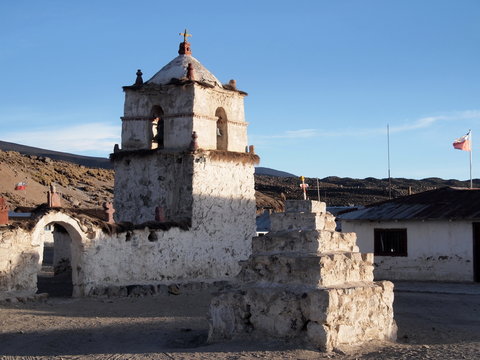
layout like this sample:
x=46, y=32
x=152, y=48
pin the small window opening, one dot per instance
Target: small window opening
x=390, y=242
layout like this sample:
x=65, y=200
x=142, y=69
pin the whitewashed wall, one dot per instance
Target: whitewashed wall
x=207, y=101
x=18, y=261
x=143, y=182
x=437, y=250
x=137, y=124
x=186, y=109
x=223, y=225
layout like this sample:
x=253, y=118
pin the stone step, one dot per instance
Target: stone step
x=302, y=221
x=306, y=241
x=305, y=206
x=322, y=317
x=327, y=269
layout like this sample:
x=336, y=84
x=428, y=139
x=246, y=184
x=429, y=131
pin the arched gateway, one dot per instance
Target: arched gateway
x=71, y=244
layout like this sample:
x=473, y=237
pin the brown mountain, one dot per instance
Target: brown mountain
x=88, y=182
x=79, y=185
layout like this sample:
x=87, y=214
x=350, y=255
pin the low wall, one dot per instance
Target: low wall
x=18, y=261
x=207, y=252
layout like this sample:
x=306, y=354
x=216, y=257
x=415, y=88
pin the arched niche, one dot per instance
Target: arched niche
x=158, y=126
x=221, y=129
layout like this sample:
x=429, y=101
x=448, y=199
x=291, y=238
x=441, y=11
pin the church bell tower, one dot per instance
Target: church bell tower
x=184, y=156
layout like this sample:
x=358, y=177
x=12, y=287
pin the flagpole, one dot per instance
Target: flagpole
x=318, y=190
x=388, y=155
x=464, y=143
x=471, y=151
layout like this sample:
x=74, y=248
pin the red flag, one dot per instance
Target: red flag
x=463, y=143
x=21, y=186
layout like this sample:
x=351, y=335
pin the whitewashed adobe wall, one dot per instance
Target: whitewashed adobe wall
x=143, y=182
x=437, y=250
x=220, y=236
x=186, y=108
x=207, y=101
x=18, y=261
x=137, y=127
x=223, y=224
x=21, y=253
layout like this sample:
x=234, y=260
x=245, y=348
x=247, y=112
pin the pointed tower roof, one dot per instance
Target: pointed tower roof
x=178, y=68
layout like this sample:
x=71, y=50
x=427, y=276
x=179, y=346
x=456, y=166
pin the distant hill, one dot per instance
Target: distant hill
x=88, y=181
x=336, y=191
x=272, y=172
x=98, y=162
x=89, y=161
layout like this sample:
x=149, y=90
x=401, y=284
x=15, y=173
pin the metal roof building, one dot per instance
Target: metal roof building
x=446, y=203
x=433, y=235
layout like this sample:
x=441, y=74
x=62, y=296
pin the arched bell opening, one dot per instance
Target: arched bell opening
x=158, y=127
x=221, y=129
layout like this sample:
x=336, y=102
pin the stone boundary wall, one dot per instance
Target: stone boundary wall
x=18, y=261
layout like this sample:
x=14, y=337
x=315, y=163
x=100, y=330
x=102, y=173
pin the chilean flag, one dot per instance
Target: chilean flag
x=21, y=186
x=463, y=143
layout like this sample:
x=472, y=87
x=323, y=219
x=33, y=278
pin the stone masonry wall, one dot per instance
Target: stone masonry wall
x=18, y=261
x=223, y=224
x=304, y=282
x=156, y=179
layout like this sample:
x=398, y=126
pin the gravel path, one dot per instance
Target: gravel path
x=431, y=326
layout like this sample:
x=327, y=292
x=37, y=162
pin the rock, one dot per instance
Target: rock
x=173, y=289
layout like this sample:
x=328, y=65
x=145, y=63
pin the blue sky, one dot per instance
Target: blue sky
x=324, y=77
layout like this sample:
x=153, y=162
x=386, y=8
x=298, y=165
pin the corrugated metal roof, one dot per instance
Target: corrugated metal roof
x=441, y=204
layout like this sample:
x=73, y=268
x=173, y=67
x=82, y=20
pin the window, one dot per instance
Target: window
x=390, y=242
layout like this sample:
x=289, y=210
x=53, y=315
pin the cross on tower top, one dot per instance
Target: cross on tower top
x=184, y=48
x=185, y=35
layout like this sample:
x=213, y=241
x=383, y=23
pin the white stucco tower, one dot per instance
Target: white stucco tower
x=184, y=156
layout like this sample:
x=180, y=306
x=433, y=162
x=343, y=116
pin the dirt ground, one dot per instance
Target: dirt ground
x=431, y=326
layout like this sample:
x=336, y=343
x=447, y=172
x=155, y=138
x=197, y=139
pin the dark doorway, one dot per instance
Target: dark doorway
x=55, y=276
x=476, y=252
